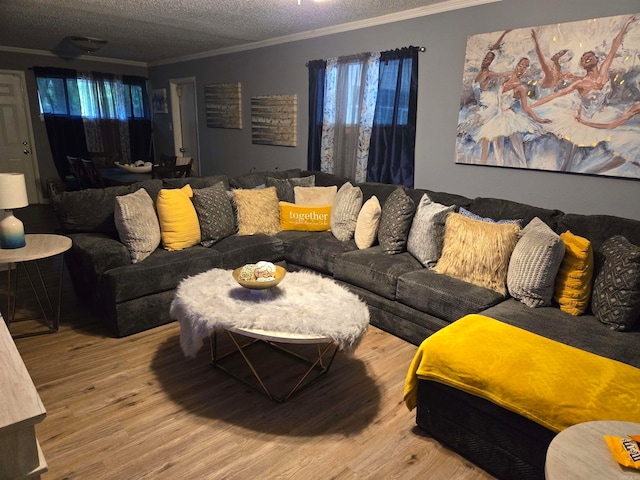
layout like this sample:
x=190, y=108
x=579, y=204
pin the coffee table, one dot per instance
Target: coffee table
x=581, y=452
x=304, y=309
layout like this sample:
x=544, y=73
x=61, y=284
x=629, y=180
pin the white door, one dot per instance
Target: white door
x=17, y=152
x=185, y=120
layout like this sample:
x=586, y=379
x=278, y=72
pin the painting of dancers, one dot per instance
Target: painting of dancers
x=562, y=97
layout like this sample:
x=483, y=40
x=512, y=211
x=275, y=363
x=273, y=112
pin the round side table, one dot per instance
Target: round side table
x=38, y=246
x=581, y=452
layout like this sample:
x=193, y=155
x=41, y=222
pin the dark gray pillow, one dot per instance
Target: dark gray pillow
x=215, y=214
x=426, y=236
x=615, y=300
x=284, y=186
x=395, y=221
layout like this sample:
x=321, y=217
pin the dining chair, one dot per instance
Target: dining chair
x=77, y=169
x=93, y=173
x=171, y=171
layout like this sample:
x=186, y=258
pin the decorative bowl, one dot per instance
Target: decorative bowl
x=254, y=284
x=130, y=167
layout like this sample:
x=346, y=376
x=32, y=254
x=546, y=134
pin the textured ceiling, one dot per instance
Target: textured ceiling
x=157, y=30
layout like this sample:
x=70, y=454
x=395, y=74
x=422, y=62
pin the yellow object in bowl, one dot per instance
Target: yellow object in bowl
x=254, y=284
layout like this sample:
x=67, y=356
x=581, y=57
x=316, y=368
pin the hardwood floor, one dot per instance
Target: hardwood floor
x=136, y=408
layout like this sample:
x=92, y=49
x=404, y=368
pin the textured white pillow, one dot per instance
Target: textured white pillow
x=534, y=264
x=344, y=214
x=137, y=224
x=427, y=231
x=367, y=223
x=311, y=196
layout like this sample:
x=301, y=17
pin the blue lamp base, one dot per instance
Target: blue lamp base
x=11, y=232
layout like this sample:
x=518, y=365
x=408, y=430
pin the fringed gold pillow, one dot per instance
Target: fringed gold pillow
x=258, y=211
x=477, y=252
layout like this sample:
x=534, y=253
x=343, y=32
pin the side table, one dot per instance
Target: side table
x=581, y=452
x=38, y=247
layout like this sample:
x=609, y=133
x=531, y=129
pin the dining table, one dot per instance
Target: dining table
x=117, y=176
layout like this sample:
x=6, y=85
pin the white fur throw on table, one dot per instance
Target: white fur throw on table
x=304, y=303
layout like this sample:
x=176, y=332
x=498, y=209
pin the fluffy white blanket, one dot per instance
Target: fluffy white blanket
x=303, y=302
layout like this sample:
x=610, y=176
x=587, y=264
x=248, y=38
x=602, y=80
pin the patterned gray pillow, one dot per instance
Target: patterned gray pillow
x=344, y=214
x=215, y=214
x=427, y=231
x=395, y=221
x=615, y=300
x=534, y=264
x=137, y=224
x=284, y=186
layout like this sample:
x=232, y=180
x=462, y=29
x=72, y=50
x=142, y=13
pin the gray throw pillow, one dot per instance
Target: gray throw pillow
x=344, y=214
x=534, y=264
x=137, y=224
x=427, y=231
x=615, y=299
x=284, y=186
x=215, y=214
x=395, y=221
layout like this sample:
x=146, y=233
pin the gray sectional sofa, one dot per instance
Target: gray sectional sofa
x=404, y=298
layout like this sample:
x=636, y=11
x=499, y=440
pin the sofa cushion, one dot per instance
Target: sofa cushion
x=344, y=214
x=534, y=264
x=258, y=211
x=443, y=296
x=616, y=289
x=137, y=223
x=323, y=179
x=374, y=270
x=178, y=218
x=315, y=195
x=316, y=250
x=306, y=218
x=469, y=214
x=477, y=252
x=572, y=290
x=215, y=214
x=395, y=222
x=367, y=223
x=253, y=179
x=500, y=209
x=448, y=198
x=91, y=210
x=380, y=190
x=599, y=228
x=238, y=250
x=427, y=231
x=166, y=268
x=196, y=182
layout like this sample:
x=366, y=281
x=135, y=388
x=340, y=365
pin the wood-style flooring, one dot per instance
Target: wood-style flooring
x=136, y=408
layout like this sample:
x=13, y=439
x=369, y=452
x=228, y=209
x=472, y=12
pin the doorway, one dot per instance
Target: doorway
x=185, y=120
x=17, y=148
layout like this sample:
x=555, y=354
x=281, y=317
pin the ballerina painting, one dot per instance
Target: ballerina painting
x=559, y=97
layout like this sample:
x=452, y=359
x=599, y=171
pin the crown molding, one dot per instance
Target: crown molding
x=345, y=27
x=87, y=58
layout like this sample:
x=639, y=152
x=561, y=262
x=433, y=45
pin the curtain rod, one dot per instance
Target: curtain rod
x=420, y=49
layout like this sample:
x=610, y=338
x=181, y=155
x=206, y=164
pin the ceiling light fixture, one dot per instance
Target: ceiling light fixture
x=87, y=44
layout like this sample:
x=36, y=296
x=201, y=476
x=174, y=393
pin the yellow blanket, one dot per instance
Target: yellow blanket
x=545, y=381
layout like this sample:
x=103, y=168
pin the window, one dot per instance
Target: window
x=90, y=98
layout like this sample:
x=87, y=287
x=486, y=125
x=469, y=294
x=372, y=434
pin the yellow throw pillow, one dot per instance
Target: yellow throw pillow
x=477, y=252
x=574, y=279
x=179, y=225
x=258, y=211
x=310, y=218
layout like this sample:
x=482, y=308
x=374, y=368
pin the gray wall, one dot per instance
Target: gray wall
x=281, y=70
x=23, y=62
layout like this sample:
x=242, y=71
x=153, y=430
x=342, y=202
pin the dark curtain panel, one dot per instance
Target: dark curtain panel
x=393, y=137
x=317, y=70
x=140, y=129
x=65, y=132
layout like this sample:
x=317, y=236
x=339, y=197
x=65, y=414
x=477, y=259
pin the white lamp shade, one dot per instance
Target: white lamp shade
x=13, y=191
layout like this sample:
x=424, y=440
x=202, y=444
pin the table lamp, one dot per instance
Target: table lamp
x=13, y=194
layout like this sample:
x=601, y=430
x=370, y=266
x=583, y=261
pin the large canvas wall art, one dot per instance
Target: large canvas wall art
x=562, y=97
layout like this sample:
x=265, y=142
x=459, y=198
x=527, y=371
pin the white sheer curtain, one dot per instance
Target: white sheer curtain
x=351, y=87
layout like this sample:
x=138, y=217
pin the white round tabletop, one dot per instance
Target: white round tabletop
x=280, y=337
x=581, y=452
x=38, y=245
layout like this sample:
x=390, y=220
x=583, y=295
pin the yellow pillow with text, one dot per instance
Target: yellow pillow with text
x=314, y=218
x=179, y=226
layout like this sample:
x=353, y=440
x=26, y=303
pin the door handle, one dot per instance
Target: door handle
x=26, y=152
